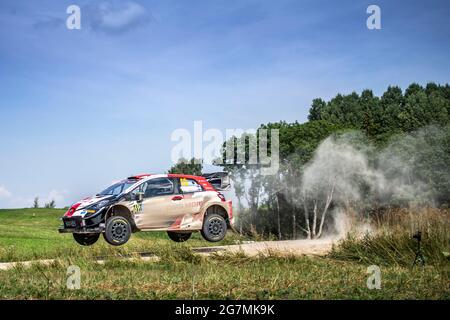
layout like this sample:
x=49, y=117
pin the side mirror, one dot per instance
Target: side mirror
x=139, y=197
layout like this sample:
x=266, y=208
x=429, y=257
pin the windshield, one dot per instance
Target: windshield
x=117, y=188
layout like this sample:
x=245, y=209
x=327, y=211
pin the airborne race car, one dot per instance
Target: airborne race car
x=176, y=203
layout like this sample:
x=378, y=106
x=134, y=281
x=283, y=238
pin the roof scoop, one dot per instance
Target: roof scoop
x=219, y=180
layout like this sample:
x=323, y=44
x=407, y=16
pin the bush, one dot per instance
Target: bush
x=392, y=242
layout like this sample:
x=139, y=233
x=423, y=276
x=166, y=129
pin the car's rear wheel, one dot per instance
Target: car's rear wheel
x=117, y=231
x=86, y=239
x=179, y=236
x=214, y=227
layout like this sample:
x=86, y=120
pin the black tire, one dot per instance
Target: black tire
x=214, y=227
x=86, y=239
x=179, y=236
x=117, y=231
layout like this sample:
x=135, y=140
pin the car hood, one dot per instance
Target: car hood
x=92, y=200
x=86, y=202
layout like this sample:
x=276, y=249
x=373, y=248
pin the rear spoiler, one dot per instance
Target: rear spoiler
x=219, y=180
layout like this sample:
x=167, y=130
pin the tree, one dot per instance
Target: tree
x=371, y=114
x=50, y=205
x=184, y=166
x=282, y=203
x=438, y=105
x=391, y=103
x=317, y=108
x=246, y=176
x=412, y=116
x=36, y=203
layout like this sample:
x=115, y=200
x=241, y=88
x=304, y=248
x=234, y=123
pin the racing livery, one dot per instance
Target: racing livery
x=177, y=203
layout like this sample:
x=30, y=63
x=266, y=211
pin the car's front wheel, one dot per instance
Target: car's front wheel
x=86, y=239
x=214, y=227
x=179, y=236
x=117, y=231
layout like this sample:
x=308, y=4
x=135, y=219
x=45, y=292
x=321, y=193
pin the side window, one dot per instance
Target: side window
x=189, y=185
x=158, y=187
x=117, y=190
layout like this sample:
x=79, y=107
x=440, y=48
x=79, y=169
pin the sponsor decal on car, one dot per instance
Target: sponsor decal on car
x=137, y=207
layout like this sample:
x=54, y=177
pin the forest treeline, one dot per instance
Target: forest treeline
x=403, y=134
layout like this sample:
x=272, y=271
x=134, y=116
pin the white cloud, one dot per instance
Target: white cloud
x=117, y=16
x=18, y=202
x=57, y=195
x=4, y=193
x=7, y=200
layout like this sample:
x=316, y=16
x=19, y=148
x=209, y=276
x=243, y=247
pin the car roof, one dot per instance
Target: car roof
x=139, y=176
x=199, y=179
x=186, y=176
x=170, y=175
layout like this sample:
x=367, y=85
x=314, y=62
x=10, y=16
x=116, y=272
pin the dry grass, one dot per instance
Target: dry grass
x=391, y=240
x=182, y=274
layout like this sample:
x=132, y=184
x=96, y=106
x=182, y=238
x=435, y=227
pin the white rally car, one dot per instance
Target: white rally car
x=176, y=203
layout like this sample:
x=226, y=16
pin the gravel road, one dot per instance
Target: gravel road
x=296, y=247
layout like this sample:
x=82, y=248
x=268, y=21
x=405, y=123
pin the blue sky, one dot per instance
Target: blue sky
x=81, y=108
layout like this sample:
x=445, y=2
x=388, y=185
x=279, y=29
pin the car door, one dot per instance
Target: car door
x=159, y=209
x=193, y=196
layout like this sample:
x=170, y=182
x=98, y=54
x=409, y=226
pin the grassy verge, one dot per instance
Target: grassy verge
x=29, y=234
x=179, y=274
x=392, y=242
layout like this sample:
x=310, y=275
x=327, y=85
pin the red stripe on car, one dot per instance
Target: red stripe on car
x=72, y=210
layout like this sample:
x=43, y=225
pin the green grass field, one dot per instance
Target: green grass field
x=29, y=234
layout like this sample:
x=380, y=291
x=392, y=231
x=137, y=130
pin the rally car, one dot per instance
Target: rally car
x=176, y=203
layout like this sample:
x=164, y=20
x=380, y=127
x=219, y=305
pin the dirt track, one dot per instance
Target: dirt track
x=296, y=247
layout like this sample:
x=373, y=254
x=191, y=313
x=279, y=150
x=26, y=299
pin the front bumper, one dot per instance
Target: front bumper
x=78, y=225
